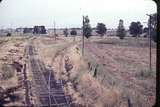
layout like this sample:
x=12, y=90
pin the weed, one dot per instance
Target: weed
x=7, y=71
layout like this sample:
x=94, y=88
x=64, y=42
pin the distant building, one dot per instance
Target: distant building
x=19, y=30
x=28, y=30
x=39, y=30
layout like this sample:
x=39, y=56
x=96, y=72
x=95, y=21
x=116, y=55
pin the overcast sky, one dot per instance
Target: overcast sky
x=68, y=13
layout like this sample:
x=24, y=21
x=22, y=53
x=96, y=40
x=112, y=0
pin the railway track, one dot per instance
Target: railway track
x=48, y=91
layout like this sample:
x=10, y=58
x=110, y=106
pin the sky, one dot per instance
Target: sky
x=68, y=13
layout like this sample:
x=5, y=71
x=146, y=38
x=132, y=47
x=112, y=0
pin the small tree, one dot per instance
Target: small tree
x=121, y=33
x=73, y=33
x=136, y=29
x=87, y=30
x=8, y=34
x=145, y=30
x=101, y=29
x=65, y=32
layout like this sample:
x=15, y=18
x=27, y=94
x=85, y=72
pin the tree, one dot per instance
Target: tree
x=73, y=32
x=145, y=30
x=8, y=34
x=65, y=32
x=121, y=33
x=87, y=30
x=153, y=26
x=36, y=30
x=101, y=29
x=136, y=29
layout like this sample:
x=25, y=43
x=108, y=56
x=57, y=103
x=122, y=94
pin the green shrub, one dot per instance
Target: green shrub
x=143, y=74
x=7, y=71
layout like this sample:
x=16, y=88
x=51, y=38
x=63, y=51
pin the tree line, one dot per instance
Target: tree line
x=135, y=29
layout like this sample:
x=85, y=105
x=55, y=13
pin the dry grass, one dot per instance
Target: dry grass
x=128, y=41
x=121, y=63
x=85, y=89
x=124, y=63
x=49, y=48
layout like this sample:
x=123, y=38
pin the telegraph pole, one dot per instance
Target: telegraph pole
x=150, y=55
x=55, y=30
x=83, y=38
x=49, y=86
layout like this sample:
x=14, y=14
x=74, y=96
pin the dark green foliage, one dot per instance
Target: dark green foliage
x=87, y=30
x=121, y=33
x=145, y=35
x=153, y=26
x=73, y=32
x=101, y=29
x=8, y=34
x=143, y=74
x=65, y=32
x=145, y=30
x=136, y=29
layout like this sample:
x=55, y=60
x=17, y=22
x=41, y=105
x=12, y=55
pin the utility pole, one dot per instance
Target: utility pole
x=55, y=30
x=49, y=86
x=150, y=54
x=11, y=28
x=83, y=38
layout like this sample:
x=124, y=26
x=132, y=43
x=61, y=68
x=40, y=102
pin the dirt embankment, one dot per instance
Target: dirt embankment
x=12, y=51
x=79, y=83
x=126, y=79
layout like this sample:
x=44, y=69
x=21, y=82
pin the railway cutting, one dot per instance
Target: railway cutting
x=48, y=90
